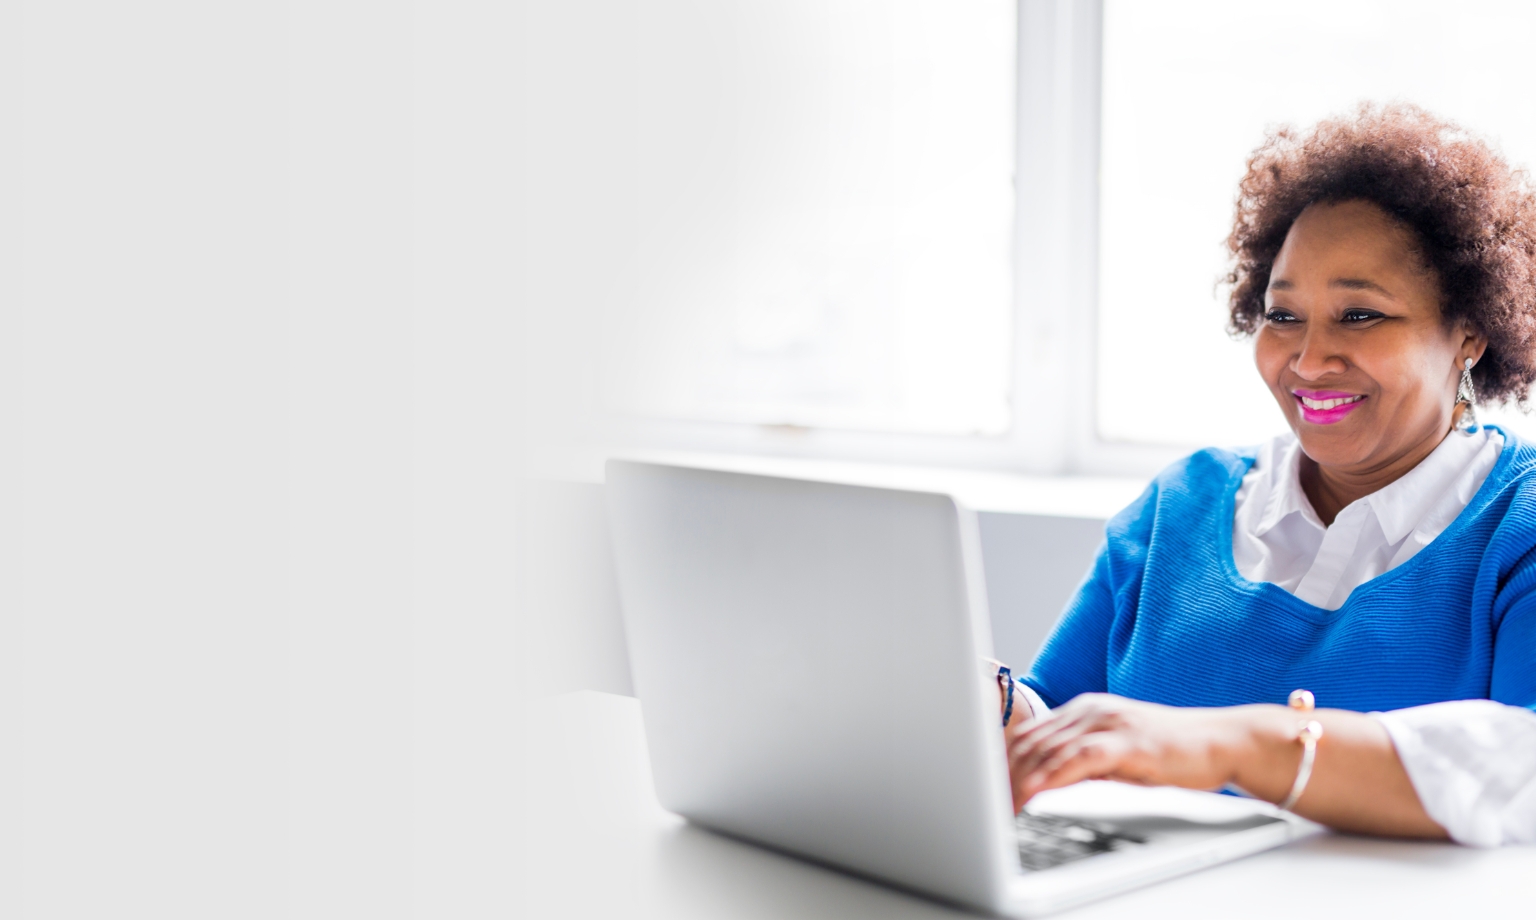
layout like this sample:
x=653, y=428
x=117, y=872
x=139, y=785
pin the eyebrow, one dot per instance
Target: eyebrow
x=1350, y=284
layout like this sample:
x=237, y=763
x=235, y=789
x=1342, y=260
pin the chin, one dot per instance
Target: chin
x=1328, y=446
x=1329, y=455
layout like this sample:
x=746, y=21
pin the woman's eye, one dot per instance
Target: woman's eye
x=1279, y=317
x=1360, y=316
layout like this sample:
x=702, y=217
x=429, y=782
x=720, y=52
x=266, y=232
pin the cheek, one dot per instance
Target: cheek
x=1409, y=371
x=1269, y=356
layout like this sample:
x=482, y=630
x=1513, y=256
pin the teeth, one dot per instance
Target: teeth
x=1328, y=403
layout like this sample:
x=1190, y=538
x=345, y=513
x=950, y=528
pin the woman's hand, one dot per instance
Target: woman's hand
x=1358, y=783
x=1099, y=736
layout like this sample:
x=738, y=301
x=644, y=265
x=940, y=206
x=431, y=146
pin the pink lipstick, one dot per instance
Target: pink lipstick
x=1324, y=407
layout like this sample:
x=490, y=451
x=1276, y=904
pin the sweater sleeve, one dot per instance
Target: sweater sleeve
x=1075, y=657
x=1514, y=647
x=1473, y=762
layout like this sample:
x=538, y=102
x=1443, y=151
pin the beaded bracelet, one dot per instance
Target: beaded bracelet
x=1005, y=681
x=1308, y=733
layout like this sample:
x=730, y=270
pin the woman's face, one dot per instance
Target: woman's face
x=1352, y=345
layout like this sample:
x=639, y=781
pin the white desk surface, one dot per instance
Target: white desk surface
x=596, y=844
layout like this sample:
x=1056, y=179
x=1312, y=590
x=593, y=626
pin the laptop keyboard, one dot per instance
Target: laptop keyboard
x=1046, y=840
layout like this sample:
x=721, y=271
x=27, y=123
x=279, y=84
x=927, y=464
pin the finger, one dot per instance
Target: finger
x=1071, y=754
x=1025, y=753
x=1028, y=760
x=1030, y=749
x=1084, y=713
x=1086, y=705
x=1054, y=721
x=1089, y=757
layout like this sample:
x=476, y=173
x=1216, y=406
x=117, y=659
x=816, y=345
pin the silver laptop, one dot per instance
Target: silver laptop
x=806, y=656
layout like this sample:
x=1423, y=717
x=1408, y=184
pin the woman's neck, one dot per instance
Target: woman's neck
x=1332, y=489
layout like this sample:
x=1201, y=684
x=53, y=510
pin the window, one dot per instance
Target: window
x=825, y=216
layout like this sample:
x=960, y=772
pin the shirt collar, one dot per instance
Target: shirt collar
x=1403, y=504
x=1399, y=508
x=1281, y=462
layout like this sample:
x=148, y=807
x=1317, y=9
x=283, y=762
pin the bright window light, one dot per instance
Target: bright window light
x=1189, y=88
x=827, y=194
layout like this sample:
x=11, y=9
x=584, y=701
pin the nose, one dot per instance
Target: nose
x=1318, y=354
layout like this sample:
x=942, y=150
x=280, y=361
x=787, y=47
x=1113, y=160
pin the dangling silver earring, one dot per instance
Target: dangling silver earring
x=1465, y=394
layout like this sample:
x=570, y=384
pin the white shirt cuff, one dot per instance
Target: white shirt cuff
x=1036, y=704
x=1473, y=764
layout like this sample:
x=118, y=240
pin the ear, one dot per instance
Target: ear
x=1473, y=344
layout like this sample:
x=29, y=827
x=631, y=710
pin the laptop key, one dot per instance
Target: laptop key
x=1047, y=840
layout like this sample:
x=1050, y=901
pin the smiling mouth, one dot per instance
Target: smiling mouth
x=1318, y=405
x=1325, y=407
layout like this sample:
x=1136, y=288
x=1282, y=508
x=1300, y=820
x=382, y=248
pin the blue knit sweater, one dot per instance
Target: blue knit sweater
x=1165, y=616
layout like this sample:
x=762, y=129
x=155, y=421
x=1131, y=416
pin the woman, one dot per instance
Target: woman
x=1382, y=555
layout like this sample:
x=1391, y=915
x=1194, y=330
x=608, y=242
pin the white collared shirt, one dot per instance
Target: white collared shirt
x=1277, y=537
x=1472, y=762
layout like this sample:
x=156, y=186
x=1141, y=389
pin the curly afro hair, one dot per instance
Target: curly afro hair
x=1475, y=218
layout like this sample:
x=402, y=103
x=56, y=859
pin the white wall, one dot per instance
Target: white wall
x=573, y=629
x=1034, y=564
x=257, y=425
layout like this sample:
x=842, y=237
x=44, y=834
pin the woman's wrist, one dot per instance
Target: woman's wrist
x=1269, y=754
x=1027, y=705
x=1358, y=782
x=1263, y=754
